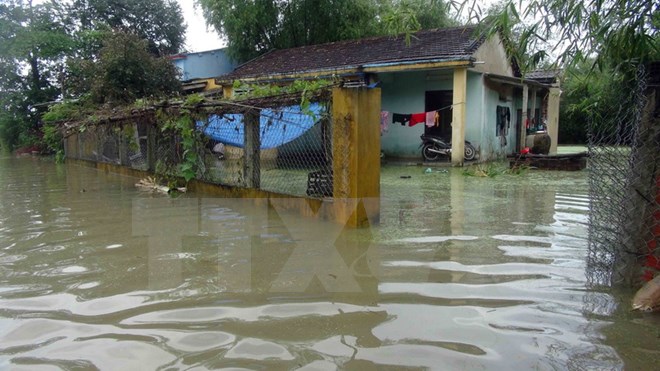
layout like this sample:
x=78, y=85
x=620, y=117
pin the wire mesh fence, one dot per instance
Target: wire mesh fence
x=286, y=150
x=624, y=178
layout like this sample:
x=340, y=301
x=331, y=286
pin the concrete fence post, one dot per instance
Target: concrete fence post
x=252, y=140
x=123, y=148
x=151, y=146
x=356, y=155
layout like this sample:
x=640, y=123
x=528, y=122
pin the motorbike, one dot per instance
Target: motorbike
x=434, y=146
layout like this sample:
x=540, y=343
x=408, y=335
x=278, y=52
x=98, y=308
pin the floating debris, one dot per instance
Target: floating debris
x=647, y=299
x=150, y=184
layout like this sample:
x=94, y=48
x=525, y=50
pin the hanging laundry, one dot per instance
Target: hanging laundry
x=384, y=122
x=430, y=118
x=502, y=121
x=436, y=119
x=416, y=118
x=404, y=120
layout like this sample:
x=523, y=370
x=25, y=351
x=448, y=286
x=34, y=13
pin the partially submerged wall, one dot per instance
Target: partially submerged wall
x=335, y=174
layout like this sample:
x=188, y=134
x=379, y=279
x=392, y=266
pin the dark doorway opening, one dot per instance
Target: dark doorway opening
x=440, y=100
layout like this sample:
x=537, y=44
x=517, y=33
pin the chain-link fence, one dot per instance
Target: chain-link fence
x=124, y=144
x=624, y=166
x=285, y=149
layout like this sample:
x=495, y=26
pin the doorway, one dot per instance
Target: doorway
x=436, y=100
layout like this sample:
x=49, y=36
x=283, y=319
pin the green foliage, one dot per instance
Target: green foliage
x=52, y=138
x=402, y=20
x=520, y=169
x=409, y=16
x=493, y=169
x=62, y=111
x=193, y=100
x=593, y=96
x=192, y=142
x=489, y=170
x=306, y=89
x=159, y=22
x=54, y=50
x=254, y=27
x=127, y=71
x=620, y=33
x=33, y=41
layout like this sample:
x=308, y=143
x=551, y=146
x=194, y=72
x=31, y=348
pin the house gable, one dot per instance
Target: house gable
x=491, y=57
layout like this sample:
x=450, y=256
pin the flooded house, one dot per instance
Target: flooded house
x=453, y=82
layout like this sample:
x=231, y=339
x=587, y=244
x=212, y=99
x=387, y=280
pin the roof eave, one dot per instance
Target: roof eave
x=318, y=73
x=382, y=67
x=414, y=65
x=515, y=81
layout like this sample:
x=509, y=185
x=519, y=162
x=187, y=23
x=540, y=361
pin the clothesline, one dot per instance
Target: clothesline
x=430, y=118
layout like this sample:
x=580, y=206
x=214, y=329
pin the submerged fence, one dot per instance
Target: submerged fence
x=278, y=147
x=324, y=148
x=624, y=180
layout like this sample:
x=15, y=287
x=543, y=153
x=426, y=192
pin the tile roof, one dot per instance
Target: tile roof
x=455, y=43
x=543, y=75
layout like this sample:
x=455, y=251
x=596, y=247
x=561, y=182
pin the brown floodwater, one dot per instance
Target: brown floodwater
x=462, y=273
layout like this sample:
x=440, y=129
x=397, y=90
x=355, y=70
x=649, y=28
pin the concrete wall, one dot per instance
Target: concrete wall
x=404, y=92
x=207, y=64
x=475, y=110
x=492, y=146
x=491, y=58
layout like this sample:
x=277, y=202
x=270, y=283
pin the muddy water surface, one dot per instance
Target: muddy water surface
x=462, y=273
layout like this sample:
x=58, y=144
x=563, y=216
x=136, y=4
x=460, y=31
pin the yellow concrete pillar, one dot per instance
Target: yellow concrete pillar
x=227, y=91
x=356, y=155
x=458, y=116
x=553, y=118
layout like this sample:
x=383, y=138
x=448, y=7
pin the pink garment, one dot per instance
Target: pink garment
x=384, y=121
x=416, y=118
x=430, y=119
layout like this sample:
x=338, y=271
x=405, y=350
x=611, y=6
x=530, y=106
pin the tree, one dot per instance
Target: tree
x=256, y=26
x=160, y=22
x=127, y=71
x=54, y=50
x=617, y=32
x=33, y=43
x=588, y=95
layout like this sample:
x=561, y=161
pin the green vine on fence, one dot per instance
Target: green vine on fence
x=183, y=124
x=177, y=119
x=306, y=89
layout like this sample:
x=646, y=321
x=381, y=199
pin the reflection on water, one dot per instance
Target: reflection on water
x=462, y=273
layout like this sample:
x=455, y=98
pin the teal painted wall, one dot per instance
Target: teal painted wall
x=404, y=93
x=493, y=146
x=474, y=109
